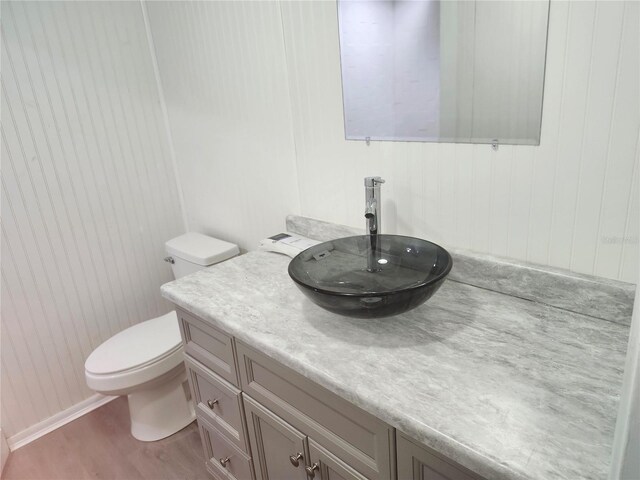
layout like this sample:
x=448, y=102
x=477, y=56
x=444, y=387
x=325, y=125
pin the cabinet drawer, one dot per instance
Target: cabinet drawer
x=218, y=401
x=208, y=345
x=224, y=460
x=354, y=436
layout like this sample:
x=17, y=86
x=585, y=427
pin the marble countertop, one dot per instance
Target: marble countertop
x=509, y=387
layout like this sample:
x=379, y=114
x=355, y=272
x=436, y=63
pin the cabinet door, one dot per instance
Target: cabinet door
x=329, y=467
x=416, y=462
x=275, y=445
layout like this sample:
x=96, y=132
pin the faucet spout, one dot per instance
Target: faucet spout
x=372, y=214
x=372, y=203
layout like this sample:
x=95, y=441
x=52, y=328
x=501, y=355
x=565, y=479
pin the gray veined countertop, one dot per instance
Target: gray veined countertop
x=508, y=387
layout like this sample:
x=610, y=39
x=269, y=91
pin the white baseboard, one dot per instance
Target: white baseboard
x=4, y=452
x=56, y=421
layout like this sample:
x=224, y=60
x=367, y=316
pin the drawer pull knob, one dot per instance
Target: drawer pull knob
x=212, y=403
x=311, y=471
x=295, y=459
x=224, y=461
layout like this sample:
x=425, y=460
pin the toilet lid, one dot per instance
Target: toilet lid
x=136, y=346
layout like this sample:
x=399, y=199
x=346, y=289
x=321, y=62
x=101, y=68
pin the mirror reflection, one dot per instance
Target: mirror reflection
x=443, y=71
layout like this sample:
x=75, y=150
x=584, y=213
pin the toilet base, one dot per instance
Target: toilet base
x=162, y=410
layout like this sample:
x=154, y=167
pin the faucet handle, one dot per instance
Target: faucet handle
x=372, y=181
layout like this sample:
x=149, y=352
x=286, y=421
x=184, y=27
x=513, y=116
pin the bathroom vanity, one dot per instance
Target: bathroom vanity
x=508, y=372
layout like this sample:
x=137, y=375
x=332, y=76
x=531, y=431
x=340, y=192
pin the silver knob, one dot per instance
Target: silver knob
x=311, y=471
x=295, y=459
x=224, y=461
x=169, y=260
x=212, y=403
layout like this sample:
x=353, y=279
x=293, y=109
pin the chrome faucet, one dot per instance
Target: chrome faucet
x=372, y=208
x=373, y=205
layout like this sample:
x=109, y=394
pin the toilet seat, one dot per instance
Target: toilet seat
x=146, y=361
x=142, y=353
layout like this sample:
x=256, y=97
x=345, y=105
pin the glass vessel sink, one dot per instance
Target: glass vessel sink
x=370, y=276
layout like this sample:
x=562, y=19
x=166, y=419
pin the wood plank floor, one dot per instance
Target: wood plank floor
x=99, y=445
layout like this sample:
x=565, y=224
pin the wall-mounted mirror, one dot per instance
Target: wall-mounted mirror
x=443, y=71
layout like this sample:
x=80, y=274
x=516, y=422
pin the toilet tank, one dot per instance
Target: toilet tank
x=192, y=251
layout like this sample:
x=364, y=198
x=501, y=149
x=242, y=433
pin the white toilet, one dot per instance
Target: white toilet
x=145, y=361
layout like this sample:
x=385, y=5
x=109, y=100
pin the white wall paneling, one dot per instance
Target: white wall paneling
x=572, y=202
x=88, y=196
x=225, y=82
x=232, y=71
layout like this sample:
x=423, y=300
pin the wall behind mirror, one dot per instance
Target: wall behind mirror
x=466, y=72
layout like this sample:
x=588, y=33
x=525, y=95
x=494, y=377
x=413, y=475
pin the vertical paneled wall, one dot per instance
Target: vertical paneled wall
x=571, y=202
x=225, y=81
x=232, y=72
x=88, y=195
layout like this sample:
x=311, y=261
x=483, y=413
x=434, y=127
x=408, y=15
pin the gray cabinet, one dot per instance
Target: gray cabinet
x=282, y=452
x=359, y=439
x=217, y=401
x=209, y=345
x=329, y=466
x=279, y=450
x=417, y=462
x=211, y=368
x=223, y=460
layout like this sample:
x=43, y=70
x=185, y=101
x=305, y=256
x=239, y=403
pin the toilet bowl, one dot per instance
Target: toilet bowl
x=146, y=361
